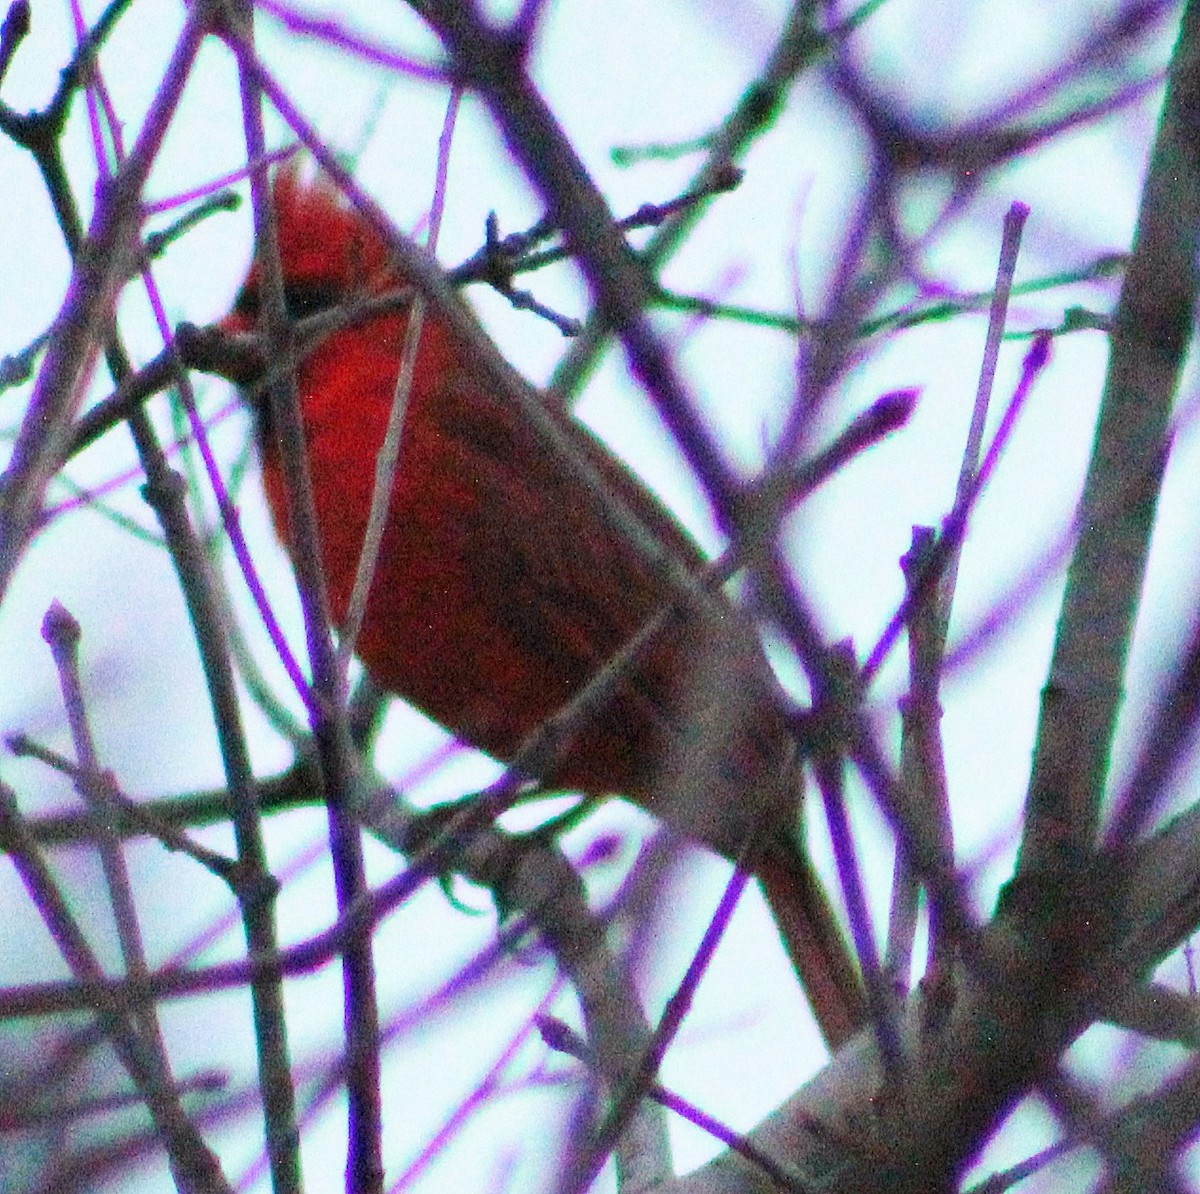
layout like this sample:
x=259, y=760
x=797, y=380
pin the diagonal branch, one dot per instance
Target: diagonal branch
x=1151, y=329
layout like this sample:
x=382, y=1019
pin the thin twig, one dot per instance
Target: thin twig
x=955, y=523
x=1014, y=224
x=559, y=1037
x=922, y=762
x=62, y=633
x=643, y=1075
x=113, y=813
x=364, y=1166
x=389, y=450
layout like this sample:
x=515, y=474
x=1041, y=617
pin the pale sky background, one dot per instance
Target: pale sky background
x=620, y=73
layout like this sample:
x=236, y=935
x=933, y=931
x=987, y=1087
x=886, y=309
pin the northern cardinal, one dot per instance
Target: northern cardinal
x=500, y=589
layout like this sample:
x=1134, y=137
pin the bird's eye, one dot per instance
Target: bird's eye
x=300, y=299
x=303, y=299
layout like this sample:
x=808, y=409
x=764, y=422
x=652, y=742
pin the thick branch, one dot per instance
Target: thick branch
x=1151, y=330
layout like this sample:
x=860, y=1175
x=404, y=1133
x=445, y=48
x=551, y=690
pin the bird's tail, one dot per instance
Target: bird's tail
x=814, y=941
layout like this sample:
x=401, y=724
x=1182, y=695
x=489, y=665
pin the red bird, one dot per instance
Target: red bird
x=500, y=590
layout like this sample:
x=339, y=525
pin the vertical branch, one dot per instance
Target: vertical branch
x=928, y=605
x=836, y=701
x=256, y=891
x=62, y=632
x=915, y=721
x=364, y=1165
x=1151, y=329
x=1014, y=225
x=922, y=761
